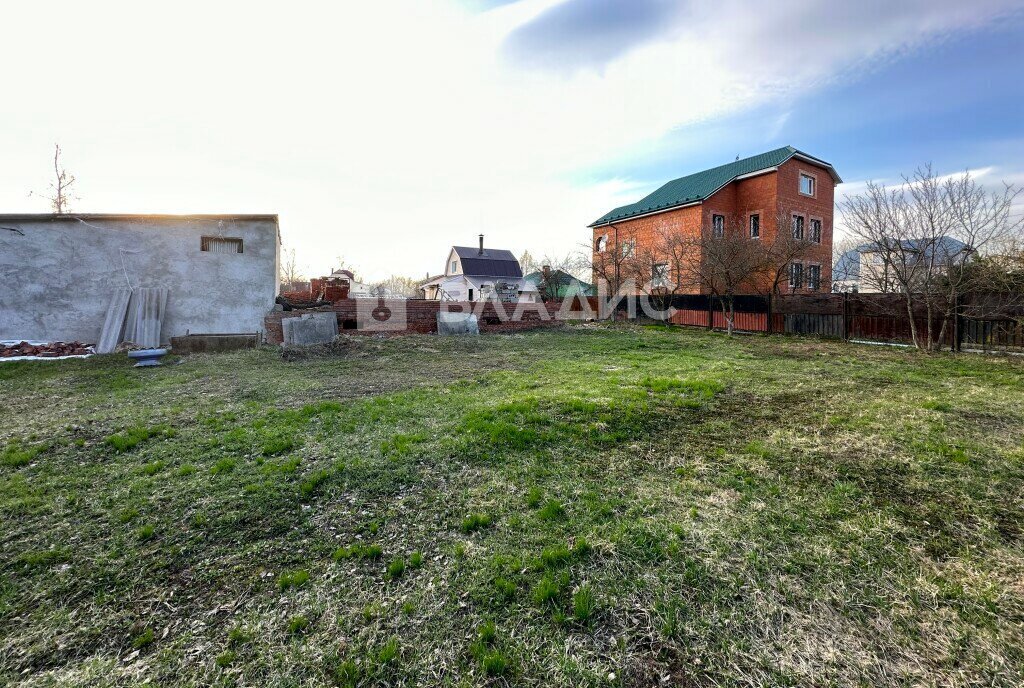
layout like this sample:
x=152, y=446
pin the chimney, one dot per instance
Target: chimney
x=481, y=244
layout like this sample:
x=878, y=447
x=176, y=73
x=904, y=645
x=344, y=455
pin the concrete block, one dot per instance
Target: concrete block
x=310, y=328
x=457, y=323
x=213, y=343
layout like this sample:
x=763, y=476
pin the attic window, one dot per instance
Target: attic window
x=220, y=244
x=806, y=185
x=455, y=266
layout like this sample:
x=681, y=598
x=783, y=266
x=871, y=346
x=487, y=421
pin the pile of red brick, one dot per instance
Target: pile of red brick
x=44, y=350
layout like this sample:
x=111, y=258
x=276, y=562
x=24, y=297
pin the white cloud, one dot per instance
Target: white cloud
x=387, y=131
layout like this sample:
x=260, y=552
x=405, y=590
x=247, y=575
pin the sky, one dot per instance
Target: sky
x=384, y=132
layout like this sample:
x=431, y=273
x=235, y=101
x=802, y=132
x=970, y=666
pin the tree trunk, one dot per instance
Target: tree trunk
x=913, y=325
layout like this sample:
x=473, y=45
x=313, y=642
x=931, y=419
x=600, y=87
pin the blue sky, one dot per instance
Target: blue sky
x=382, y=133
x=958, y=104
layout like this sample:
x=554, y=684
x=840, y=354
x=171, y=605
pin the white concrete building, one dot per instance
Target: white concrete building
x=58, y=273
x=479, y=274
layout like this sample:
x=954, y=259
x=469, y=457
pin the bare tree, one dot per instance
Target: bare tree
x=724, y=263
x=781, y=251
x=613, y=258
x=60, y=188
x=527, y=263
x=291, y=273
x=395, y=287
x=558, y=274
x=924, y=240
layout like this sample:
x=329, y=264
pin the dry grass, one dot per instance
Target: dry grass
x=597, y=506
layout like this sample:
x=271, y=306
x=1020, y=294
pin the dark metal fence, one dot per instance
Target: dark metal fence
x=866, y=317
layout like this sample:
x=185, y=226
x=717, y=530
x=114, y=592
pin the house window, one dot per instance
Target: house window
x=220, y=244
x=798, y=227
x=628, y=248
x=602, y=244
x=718, y=226
x=455, y=266
x=807, y=185
x=816, y=231
x=813, y=277
x=796, y=275
x=755, y=226
x=470, y=293
x=659, y=275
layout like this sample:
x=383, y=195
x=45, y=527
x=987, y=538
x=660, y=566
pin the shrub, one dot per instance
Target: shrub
x=506, y=588
x=495, y=663
x=396, y=568
x=309, y=485
x=583, y=604
x=552, y=511
x=475, y=522
x=487, y=633
x=236, y=636
x=347, y=674
x=358, y=551
x=16, y=456
x=546, y=591
x=292, y=579
x=144, y=639
x=134, y=436
x=389, y=652
x=153, y=468
x=225, y=465
x=297, y=624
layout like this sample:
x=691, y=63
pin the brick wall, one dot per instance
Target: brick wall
x=421, y=316
x=774, y=196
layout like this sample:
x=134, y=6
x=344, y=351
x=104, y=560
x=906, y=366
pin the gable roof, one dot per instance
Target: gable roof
x=698, y=187
x=493, y=262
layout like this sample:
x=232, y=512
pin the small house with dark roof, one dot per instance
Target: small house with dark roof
x=479, y=274
x=760, y=198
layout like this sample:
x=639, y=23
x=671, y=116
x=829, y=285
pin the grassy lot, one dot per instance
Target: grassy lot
x=595, y=506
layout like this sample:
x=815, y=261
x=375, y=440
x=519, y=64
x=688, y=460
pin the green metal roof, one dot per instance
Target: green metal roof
x=698, y=187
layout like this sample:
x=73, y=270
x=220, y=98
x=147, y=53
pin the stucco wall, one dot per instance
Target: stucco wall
x=57, y=275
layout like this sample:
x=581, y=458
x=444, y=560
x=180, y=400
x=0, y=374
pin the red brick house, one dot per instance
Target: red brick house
x=755, y=194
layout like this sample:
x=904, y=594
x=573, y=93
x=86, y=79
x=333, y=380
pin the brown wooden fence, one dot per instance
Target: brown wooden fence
x=864, y=317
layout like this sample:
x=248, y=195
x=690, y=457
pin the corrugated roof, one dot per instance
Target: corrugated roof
x=697, y=187
x=493, y=262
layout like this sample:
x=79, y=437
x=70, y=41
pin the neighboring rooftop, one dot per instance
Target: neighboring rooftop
x=698, y=187
x=487, y=262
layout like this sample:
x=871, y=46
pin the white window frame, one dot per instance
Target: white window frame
x=602, y=244
x=813, y=179
x=454, y=266
x=629, y=248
